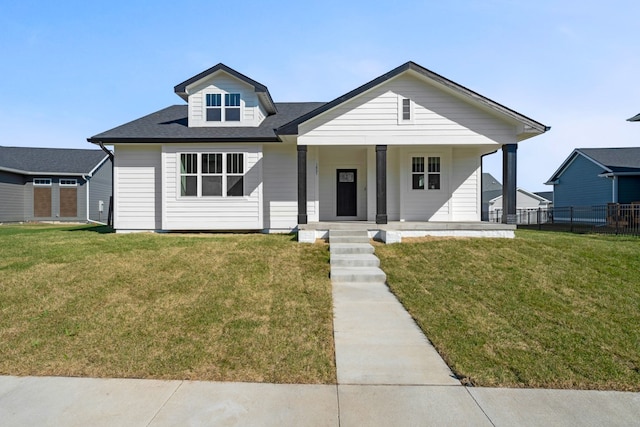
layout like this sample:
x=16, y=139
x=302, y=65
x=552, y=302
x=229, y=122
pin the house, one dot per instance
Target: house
x=597, y=176
x=526, y=204
x=52, y=184
x=525, y=200
x=491, y=188
x=404, y=147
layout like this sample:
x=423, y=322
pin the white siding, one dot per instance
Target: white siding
x=425, y=205
x=137, y=190
x=223, y=83
x=439, y=118
x=213, y=213
x=280, y=187
x=465, y=185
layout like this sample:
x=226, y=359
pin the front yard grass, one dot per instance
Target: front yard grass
x=550, y=310
x=78, y=302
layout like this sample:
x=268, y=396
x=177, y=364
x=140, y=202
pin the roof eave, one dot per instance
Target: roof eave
x=133, y=140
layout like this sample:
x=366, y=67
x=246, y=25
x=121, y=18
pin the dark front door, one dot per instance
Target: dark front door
x=346, y=190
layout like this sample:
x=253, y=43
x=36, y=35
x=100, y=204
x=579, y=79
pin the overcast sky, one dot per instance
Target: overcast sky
x=72, y=69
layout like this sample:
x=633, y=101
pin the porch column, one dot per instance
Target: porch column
x=302, y=184
x=509, y=157
x=381, y=184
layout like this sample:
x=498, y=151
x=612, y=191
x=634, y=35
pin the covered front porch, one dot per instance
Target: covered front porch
x=419, y=187
x=395, y=231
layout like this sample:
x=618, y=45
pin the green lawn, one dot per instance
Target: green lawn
x=550, y=310
x=76, y=301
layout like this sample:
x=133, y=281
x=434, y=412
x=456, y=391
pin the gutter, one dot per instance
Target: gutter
x=111, y=157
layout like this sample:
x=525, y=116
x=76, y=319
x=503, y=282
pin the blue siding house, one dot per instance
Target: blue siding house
x=597, y=176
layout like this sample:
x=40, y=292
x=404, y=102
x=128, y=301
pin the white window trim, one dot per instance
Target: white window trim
x=40, y=184
x=199, y=175
x=426, y=171
x=401, y=120
x=223, y=106
x=74, y=184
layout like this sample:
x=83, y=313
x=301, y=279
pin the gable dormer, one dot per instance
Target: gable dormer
x=223, y=97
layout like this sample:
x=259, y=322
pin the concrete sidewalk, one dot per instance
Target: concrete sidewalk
x=49, y=401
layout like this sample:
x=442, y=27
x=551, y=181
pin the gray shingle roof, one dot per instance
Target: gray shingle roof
x=635, y=118
x=546, y=194
x=626, y=159
x=30, y=160
x=171, y=124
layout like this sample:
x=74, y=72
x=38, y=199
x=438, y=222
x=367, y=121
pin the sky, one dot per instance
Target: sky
x=73, y=69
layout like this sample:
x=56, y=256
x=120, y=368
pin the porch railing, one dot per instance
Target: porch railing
x=612, y=218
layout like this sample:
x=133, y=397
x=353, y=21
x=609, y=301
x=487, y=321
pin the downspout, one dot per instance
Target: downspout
x=111, y=205
x=614, y=189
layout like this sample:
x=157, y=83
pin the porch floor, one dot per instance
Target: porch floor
x=394, y=231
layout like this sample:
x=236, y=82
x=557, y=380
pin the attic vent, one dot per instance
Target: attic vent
x=406, y=109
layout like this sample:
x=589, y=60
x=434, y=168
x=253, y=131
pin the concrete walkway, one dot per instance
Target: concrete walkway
x=388, y=374
x=376, y=340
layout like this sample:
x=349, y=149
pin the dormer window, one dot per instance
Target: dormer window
x=214, y=107
x=232, y=107
x=219, y=112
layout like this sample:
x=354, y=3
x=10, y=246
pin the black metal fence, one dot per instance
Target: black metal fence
x=612, y=218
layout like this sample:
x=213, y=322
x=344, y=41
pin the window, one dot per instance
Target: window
x=235, y=171
x=406, y=109
x=214, y=107
x=433, y=164
x=232, y=107
x=217, y=112
x=42, y=181
x=418, y=173
x=68, y=182
x=212, y=174
x=189, y=174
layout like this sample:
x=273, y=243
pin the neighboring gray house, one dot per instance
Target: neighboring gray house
x=491, y=188
x=52, y=184
x=597, y=176
x=525, y=200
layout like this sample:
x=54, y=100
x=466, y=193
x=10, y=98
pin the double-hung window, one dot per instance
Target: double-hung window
x=189, y=174
x=418, y=173
x=217, y=111
x=235, y=174
x=212, y=174
x=232, y=107
x=214, y=107
x=433, y=168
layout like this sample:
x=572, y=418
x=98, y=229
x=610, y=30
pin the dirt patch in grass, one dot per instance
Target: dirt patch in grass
x=549, y=310
x=202, y=307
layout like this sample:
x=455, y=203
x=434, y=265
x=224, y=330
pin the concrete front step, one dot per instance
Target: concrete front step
x=349, y=239
x=354, y=260
x=357, y=274
x=342, y=233
x=350, y=248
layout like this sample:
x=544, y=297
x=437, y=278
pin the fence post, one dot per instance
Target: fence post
x=571, y=219
x=539, y=219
